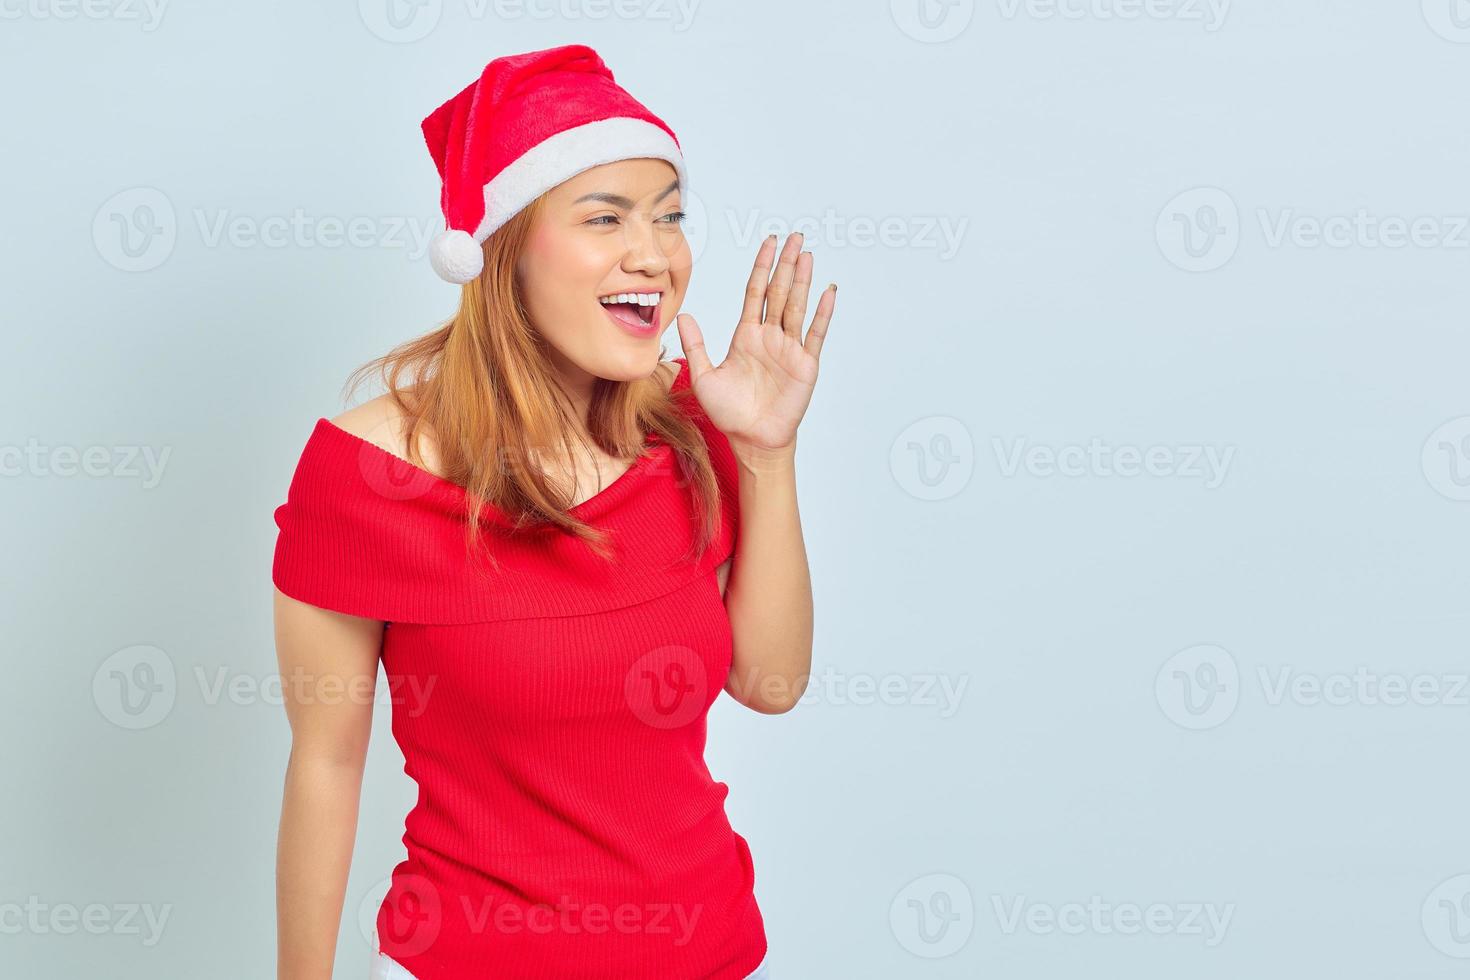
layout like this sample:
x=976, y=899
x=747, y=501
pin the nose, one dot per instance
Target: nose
x=643, y=249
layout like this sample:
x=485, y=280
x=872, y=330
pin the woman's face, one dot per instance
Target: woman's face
x=608, y=231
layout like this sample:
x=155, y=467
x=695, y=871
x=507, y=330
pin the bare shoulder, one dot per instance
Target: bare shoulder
x=383, y=422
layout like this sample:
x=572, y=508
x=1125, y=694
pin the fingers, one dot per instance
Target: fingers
x=781, y=282
x=818, y=331
x=691, y=338
x=755, y=289
x=801, y=287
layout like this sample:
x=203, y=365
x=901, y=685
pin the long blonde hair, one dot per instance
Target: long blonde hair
x=483, y=386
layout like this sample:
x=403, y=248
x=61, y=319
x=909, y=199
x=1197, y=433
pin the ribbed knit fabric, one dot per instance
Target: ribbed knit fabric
x=567, y=827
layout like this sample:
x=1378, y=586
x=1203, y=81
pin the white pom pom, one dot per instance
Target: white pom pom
x=456, y=256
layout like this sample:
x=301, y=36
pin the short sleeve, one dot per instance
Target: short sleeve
x=342, y=544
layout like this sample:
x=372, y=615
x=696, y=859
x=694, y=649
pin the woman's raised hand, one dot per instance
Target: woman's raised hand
x=758, y=394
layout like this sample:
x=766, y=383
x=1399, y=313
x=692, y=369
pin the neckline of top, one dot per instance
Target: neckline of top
x=374, y=462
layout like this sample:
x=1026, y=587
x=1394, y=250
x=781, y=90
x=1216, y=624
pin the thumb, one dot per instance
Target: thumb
x=692, y=340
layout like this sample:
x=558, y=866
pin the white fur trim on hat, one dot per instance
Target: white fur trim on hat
x=456, y=256
x=568, y=153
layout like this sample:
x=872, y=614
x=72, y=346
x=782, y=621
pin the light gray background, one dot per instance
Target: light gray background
x=1083, y=308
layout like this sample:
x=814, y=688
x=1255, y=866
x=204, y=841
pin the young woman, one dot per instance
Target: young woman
x=562, y=548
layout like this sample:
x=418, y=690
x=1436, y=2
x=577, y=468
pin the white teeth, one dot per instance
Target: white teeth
x=642, y=299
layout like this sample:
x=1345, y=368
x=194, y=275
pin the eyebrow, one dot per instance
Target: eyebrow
x=618, y=200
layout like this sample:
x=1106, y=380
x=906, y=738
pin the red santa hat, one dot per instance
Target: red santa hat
x=529, y=122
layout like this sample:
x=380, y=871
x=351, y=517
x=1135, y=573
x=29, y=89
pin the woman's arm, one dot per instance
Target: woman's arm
x=757, y=397
x=769, y=593
x=329, y=669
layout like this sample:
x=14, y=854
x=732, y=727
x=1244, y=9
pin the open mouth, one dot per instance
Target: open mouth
x=636, y=310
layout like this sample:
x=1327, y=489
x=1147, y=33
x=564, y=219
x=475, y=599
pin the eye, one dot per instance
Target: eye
x=603, y=217
x=674, y=218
